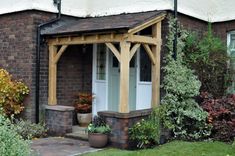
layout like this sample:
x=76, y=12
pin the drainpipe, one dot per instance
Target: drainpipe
x=176, y=31
x=38, y=61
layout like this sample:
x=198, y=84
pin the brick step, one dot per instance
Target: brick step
x=79, y=129
x=79, y=133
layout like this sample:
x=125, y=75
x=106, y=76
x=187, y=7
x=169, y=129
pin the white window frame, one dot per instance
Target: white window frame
x=229, y=39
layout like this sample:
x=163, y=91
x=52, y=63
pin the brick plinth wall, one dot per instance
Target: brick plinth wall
x=59, y=120
x=120, y=124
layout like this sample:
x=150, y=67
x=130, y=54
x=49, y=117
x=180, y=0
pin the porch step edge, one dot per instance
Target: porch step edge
x=78, y=136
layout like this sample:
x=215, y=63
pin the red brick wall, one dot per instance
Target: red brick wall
x=18, y=48
x=193, y=24
x=221, y=28
x=18, y=54
x=74, y=73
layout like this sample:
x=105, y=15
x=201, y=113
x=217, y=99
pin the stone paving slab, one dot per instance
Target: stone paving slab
x=60, y=146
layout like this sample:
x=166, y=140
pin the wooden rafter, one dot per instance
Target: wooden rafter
x=61, y=51
x=150, y=53
x=147, y=24
x=134, y=49
x=114, y=50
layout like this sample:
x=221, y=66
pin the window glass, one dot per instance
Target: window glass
x=232, y=42
x=101, y=62
x=145, y=66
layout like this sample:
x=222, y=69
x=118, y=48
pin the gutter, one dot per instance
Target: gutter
x=38, y=61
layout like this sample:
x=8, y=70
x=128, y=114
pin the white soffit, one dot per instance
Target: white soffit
x=207, y=10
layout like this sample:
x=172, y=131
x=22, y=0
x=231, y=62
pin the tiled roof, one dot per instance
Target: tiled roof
x=121, y=22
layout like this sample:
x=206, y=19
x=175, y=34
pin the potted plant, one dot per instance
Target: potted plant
x=98, y=132
x=83, y=107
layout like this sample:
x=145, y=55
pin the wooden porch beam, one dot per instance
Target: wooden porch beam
x=114, y=50
x=150, y=53
x=52, y=100
x=141, y=39
x=147, y=24
x=90, y=39
x=102, y=38
x=133, y=50
x=124, y=77
x=156, y=32
x=61, y=51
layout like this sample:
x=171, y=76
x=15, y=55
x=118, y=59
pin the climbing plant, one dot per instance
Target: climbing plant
x=179, y=111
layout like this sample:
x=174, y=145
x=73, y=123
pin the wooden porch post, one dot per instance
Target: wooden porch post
x=52, y=100
x=156, y=32
x=124, y=77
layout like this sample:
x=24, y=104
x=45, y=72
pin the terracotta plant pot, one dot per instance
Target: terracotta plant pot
x=84, y=119
x=97, y=140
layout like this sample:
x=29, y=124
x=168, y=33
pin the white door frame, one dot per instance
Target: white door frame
x=143, y=89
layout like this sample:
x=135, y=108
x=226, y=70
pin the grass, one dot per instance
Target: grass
x=175, y=148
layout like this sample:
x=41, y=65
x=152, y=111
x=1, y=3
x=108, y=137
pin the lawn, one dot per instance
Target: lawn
x=175, y=148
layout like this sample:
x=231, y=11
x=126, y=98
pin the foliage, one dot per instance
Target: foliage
x=98, y=125
x=174, y=148
x=208, y=57
x=185, y=118
x=83, y=103
x=221, y=116
x=30, y=130
x=179, y=111
x=11, y=143
x=12, y=93
x=146, y=132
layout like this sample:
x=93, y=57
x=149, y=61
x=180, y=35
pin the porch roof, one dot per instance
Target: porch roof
x=120, y=23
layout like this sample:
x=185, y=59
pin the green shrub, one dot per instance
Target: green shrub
x=12, y=94
x=179, y=111
x=146, y=132
x=11, y=143
x=98, y=125
x=30, y=130
x=208, y=57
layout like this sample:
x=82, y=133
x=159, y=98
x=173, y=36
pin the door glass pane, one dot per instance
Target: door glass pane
x=145, y=66
x=115, y=62
x=101, y=62
x=132, y=62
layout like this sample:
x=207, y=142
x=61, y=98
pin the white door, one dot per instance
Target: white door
x=100, y=78
x=144, y=84
x=114, y=83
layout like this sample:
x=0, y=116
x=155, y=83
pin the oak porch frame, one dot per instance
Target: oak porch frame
x=152, y=45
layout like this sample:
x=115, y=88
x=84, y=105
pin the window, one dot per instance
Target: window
x=231, y=47
x=231, y=44
x=145, y=66
x=231, y=53
x=101, y=62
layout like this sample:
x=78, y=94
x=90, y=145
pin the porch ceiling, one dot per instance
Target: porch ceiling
x=118, y=23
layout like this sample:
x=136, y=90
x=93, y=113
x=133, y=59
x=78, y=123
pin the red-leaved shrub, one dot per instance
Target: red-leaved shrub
x=221, y=115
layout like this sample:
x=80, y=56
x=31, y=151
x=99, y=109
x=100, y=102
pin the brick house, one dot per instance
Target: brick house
x=81, y=52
